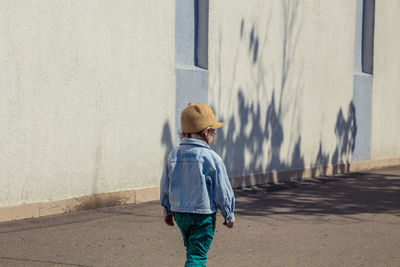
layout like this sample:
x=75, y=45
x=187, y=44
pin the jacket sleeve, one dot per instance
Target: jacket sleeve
x=164, y=191
x=223, y=193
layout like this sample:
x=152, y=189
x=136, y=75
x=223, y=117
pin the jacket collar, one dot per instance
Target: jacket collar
x=195, y=142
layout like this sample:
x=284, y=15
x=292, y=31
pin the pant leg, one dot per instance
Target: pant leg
x=198, y=232
x=183, y=221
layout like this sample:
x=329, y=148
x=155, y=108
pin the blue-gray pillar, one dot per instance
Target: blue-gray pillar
x=191, y=54
x=362, y=90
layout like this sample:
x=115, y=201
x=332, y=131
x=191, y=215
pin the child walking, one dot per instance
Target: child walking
x=195, y=184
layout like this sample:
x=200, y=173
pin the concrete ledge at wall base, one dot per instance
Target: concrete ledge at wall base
x=95, y=201
x=103, y=200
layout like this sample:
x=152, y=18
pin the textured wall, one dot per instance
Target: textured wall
x=281, y=78
x=386, y=82
x=85, y=87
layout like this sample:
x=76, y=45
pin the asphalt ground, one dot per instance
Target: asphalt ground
x=344, y=220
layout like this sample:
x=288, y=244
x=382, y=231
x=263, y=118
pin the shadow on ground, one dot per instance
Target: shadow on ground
x=350, y=194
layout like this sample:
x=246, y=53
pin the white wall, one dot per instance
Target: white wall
x=85, y=90
x=281, y=78
x=386, y=81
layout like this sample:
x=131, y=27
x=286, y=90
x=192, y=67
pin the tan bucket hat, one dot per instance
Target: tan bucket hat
x=197, y=117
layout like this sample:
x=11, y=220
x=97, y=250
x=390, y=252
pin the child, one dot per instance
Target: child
x=195, y=184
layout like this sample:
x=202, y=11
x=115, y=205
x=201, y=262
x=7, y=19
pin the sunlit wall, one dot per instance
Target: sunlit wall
x=86, y=87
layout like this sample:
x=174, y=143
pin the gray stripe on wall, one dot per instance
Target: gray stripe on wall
x=362, y=92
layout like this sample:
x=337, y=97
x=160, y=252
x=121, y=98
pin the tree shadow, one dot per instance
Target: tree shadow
x=349, y=194
x=263, y=134
x=346, y=132
x=166, y=139
x=256, y=126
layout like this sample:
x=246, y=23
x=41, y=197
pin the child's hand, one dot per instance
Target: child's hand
x=169, y=220
x=230, y=224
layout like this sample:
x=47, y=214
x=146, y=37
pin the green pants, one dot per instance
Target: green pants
x=197, y=232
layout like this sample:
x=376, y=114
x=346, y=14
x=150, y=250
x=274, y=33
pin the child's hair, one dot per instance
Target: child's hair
x=185, y=135
x=189, y=135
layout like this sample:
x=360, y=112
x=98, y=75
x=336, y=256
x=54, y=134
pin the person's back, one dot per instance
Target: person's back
x=195, y=184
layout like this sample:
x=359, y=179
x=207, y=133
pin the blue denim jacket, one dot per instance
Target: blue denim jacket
x=195, y=181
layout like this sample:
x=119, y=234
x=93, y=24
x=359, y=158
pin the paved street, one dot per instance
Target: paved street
x=345, y=220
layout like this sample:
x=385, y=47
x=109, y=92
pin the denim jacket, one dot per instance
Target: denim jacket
x=195, y=181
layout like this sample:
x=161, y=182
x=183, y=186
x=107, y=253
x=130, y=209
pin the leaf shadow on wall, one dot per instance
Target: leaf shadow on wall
x=265, y=138
x=166, y=140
